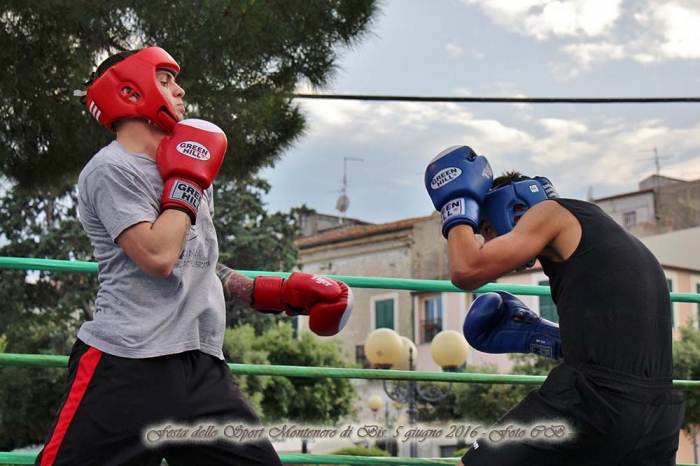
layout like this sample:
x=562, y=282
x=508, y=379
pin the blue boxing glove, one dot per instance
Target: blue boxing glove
x=498, y=322
x=457, y=181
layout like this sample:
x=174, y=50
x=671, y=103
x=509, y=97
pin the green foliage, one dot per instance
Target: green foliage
x=360, y=451
x=29, y=396
x=41, y=311
x=45, y=51
x=529, y=364
x=239, y=348
x=686, y=366
x=482, y=403
x=305, y=400
x=485, y=403
x=240, y=62
x=459, y=453
x=25, y=415
x=252, y=239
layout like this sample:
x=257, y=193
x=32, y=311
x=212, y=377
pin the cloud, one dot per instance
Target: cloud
x=453, y=50
x=678, y=26
x=582, y=57
x=544, y=19
x=598, y=31
x=584, y=54
x=378, y=119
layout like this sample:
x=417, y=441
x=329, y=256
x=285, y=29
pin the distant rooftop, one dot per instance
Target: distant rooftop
x=647, y=185
x=353, y=232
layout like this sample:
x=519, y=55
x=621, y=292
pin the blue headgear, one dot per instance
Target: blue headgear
x=498, y=205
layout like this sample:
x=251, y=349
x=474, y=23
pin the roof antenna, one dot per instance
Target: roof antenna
x=343, y=201
x=657, y=180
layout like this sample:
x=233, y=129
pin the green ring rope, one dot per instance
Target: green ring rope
x=54, y=265
x=38, y=360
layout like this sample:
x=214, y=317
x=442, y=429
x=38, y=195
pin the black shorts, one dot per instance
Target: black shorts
x=611, y=419
x=111, y=404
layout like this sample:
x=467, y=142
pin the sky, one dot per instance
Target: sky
x=500, y=48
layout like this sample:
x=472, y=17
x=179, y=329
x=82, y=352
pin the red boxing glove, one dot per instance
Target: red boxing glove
x=328, y=303
x=188, y=161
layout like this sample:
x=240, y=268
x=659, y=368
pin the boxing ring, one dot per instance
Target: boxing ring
x=53, y=361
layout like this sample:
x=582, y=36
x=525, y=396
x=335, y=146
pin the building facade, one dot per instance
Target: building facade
x=661, y=205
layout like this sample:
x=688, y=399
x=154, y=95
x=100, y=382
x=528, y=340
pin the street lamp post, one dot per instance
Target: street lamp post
x=386, y=349
x=376, y=403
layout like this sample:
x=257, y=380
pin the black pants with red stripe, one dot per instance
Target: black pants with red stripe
x=120, y=411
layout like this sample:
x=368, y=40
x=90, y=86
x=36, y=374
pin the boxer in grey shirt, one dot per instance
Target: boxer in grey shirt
x=150, y=363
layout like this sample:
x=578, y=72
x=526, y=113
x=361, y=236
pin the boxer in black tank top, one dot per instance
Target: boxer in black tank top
x=613, y=389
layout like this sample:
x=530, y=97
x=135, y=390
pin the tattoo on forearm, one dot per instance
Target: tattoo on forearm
x=236, y=286
x=188, y=224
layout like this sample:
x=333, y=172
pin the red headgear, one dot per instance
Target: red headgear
x=137, y=71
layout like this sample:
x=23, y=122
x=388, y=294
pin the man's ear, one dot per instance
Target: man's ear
x=135, y=97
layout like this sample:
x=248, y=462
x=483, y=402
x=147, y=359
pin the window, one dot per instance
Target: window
x=630, y=219
x=547, y=308
x=384, y=313
x=431, y=323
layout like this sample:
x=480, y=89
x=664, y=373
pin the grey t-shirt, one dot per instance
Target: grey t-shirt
x=136, y=315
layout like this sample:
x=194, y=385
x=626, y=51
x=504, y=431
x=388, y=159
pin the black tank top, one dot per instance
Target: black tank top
x=612, y=299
